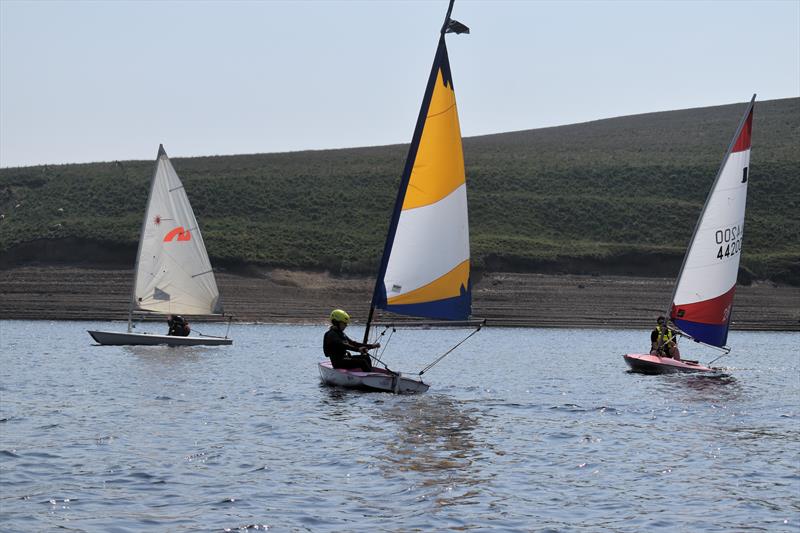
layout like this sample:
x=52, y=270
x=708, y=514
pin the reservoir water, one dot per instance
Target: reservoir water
x=522, y=430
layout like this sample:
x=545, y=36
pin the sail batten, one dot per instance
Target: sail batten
x=703, y=297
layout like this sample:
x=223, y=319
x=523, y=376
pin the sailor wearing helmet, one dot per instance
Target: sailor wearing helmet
x=336, y=345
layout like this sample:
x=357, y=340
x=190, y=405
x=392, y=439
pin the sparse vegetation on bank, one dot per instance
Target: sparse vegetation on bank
x=613, y=196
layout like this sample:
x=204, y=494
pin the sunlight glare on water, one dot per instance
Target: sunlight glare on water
x=522, y=429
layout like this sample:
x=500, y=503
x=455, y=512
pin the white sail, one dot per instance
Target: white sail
x=173, y=273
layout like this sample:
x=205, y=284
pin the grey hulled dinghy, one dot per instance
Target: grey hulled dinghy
x=173, y=275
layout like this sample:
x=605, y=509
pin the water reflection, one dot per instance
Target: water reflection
x=157, y=367
x=709, y=388
x=336, y=402
x=763, y=433
x=169, y=355
x=170, y=350
x=436, y=444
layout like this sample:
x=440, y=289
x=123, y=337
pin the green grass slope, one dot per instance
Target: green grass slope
x=614, y=196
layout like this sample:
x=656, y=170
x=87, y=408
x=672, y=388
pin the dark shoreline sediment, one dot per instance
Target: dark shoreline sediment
x=282, y=296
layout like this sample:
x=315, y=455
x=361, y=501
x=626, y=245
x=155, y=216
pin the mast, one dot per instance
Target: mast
x=161, y=152
x=705, y=206
x=448, y=26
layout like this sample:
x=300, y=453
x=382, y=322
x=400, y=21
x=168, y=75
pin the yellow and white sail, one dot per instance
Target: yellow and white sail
x=425, y=270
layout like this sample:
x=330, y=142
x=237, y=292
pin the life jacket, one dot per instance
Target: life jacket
x=665, y=338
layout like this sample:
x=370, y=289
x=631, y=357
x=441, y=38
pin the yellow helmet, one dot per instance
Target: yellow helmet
x=337, y=315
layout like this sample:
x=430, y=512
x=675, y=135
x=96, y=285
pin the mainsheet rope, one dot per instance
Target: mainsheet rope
x=718, y=358
x=449, y=351
x=230, y=319
x=434, y=363
x=682, y=333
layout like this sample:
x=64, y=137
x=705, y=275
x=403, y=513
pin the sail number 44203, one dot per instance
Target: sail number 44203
x=729, y=240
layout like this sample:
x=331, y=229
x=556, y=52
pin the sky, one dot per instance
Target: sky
x=109, y=80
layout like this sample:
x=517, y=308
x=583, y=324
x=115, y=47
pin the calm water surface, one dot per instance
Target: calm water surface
x=523, y=429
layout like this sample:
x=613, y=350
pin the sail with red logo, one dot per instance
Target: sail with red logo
x=173, y=275
x=173, y=272
x=703, y=295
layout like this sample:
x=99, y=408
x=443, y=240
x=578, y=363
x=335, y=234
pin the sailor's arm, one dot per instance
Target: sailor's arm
x=350, y=344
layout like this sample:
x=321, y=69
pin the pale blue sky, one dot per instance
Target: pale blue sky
x=100, y=81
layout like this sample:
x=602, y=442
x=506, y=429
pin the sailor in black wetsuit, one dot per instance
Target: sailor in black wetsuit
x=178, y=326
x=336, y=345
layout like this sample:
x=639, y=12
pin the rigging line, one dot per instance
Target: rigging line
x=684, y=334
x=450, y=350
x=204, y=335
x=720, y=357
x=387, y=339
x=230, y=320
x=377, y=357
x=175, y=188
x=201, y=333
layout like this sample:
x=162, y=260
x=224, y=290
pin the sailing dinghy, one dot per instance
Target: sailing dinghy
x=702, y=299
x=425, y=267
x=173, y=275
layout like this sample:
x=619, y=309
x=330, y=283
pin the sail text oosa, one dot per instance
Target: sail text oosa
x=729, y=241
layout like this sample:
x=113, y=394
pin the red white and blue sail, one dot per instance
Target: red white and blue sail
x=703, y=297
x=425, y=270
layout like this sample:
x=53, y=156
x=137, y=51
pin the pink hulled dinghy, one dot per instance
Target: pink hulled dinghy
x=702, y=300
x=653, y=364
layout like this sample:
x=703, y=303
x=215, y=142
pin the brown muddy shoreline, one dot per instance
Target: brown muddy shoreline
x=282, y=296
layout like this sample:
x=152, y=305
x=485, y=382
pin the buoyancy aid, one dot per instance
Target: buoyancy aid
x=665, y=338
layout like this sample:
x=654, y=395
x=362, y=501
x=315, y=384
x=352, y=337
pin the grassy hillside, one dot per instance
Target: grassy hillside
x=613, y=196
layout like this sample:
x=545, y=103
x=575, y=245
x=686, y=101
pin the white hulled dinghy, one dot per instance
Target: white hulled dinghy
x=702, y=299
x=425, y=267
x=173, y=275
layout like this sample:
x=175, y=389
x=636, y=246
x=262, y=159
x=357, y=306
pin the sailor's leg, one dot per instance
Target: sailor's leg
x=366, y=363
x=348, y=362
x=676, y=353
